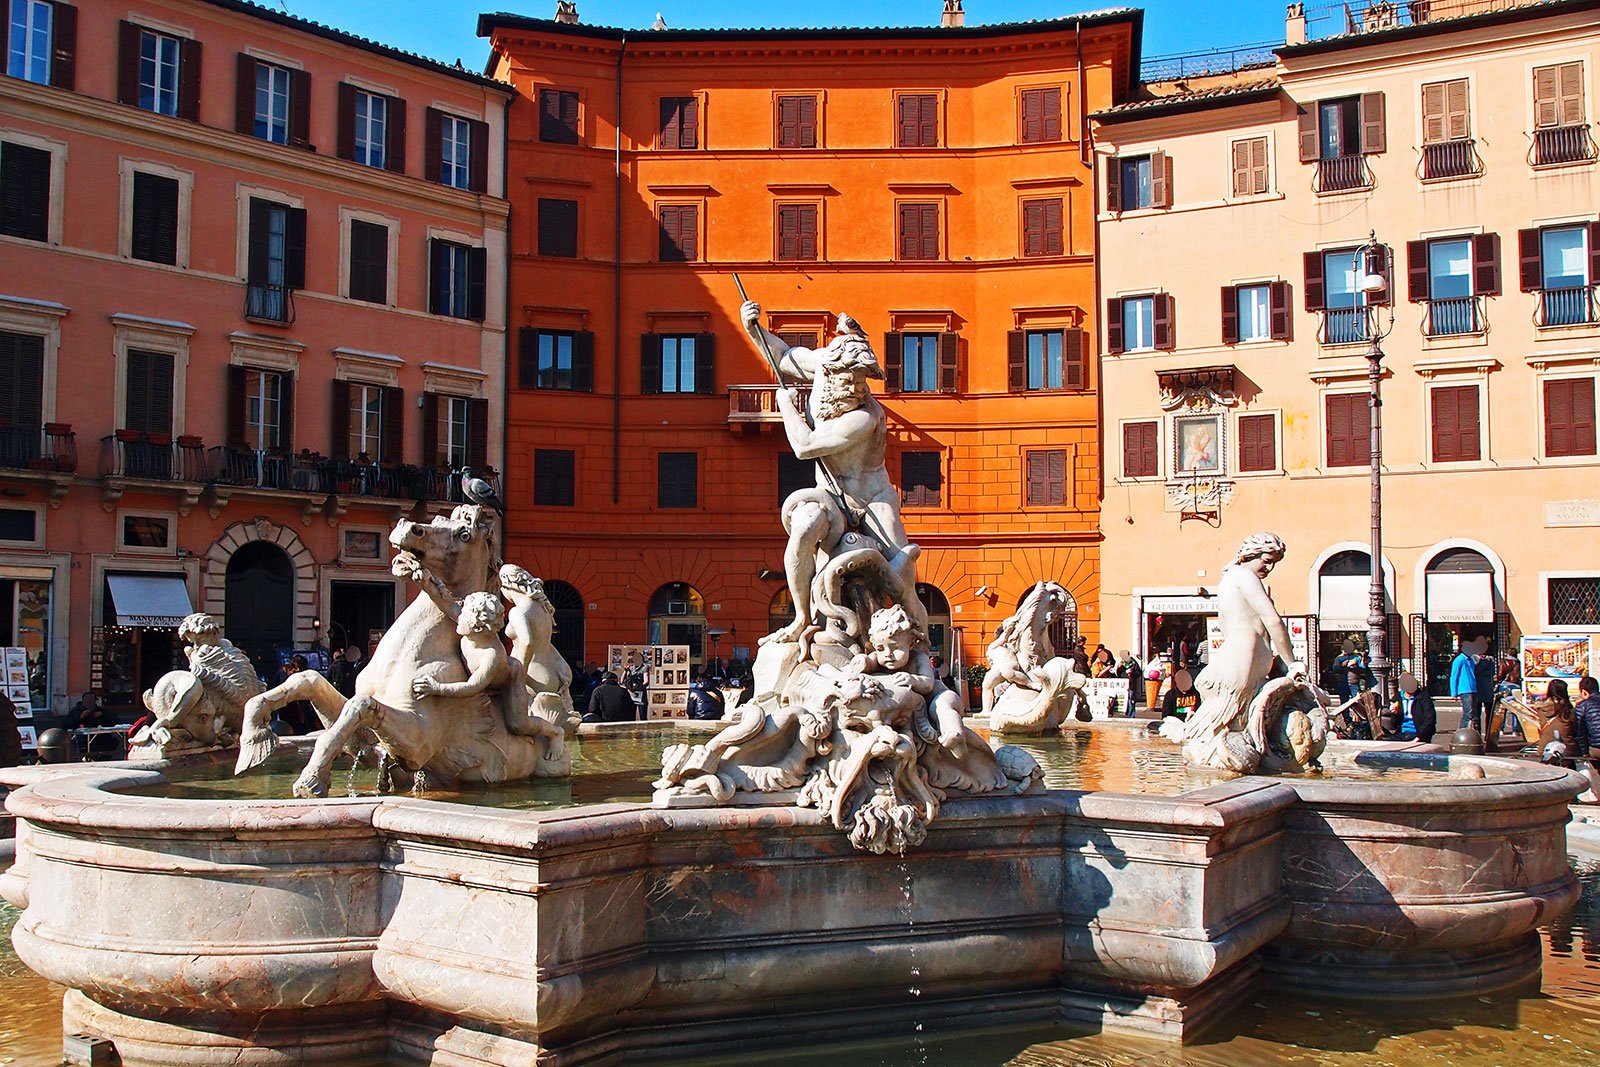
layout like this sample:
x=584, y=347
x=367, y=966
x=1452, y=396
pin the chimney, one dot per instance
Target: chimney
x=953, y=17
x=1294, y=25
x=567, y=11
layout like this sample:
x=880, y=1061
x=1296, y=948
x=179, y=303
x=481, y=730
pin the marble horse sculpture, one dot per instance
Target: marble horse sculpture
x=1028, y=689
x=202, y=707
x=1257, y=711
x=849, y=715
x=432, y=698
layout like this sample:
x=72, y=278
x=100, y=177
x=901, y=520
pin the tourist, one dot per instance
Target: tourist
x=1182, y=698
x=747, y=690
x=1464, y=684
x=943, y=675
x=88, y=712
x=1128, y=668
x=1586, y=732
x=1412, y=715
x=1350, y=670
x=297, y=713
x=1102, y=664
x=1558, y=739
x=610, y=702
x=346, y=665
x=10, y=734
x=705, y=700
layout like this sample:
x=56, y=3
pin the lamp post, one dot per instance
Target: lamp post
x=1372, y=263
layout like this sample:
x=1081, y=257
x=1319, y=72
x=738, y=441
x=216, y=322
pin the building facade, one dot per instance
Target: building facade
x=1235, y=372
x=933, y=183
x=251, y=312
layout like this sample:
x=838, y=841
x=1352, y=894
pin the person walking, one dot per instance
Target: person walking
x=610, y=702
x=1128, y=668
x=1464, y=685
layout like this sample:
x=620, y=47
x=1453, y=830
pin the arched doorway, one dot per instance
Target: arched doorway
x=1064, y=627
x=937, y=607
x=260, y=604
x=1344, y=585
x=1460, y=602
x=568, y=638
x=678, y=617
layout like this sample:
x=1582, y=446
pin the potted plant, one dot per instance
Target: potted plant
x=975, y=675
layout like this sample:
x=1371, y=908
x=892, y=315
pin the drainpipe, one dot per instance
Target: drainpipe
x=1084, y=154
x=1086, y=157
x=616, y=297
x=507, y=370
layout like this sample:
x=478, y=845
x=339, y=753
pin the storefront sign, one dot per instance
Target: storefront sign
x=1460, y=597
x=1298, y=636
x=1180, y=605
x=1572, y=512
x=1545, y=659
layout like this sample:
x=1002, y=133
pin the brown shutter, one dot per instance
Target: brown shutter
x=189, y=79
x=394, y=423
x=1417, y=271
x=1132, y=438
x=1114, y=341
x=787, y=122
x=1230, y=315
x=893, y=361
x=1257, y=448
x=1054, y=244
x=244, y=96
x=1074, y=361
x=1162, y=315
x=394, y=136
x=64, y=44
x=128, y=63
x=1316, y=289
x=1546, y=102
x=1569, y=94
x=1455, y=424
x=294, y=249
x=689, y=123
x=432, y=143
x=438, y=263
x=1486, y=264
x=1258, y=165
x=1457, y=112
x=808, y=122
x=286, y=412
x=583, y=361
x=689, y=231
x=669, y=131
x=1160, y=179
x=1582, y=391
x=527, y=357
x=807, y=219
x=1558, y=417
x=905, y=121
x=1278, y=295
x=1433, y=113
x=1038, y=478
x=260, y=216
x=1386, y=270
x=1241, y=168
x=478, y=156
x=339, y=446
x=788, y=231
x=478, y=434
x=928, y=121
x=1016, y=361
x=1310, y=147
x=1338, y=431
x=1372, y=124
x=236, y=401
x=949, y=369
x=347, y=121
x=430, y=428
x=300, y=108
x=477, y=283
x=1530, y=255
x=1033, y=228
x=650, y=363
x=1049, y=112
x=705, y=363
x=1113, y=184
x=1594, y=253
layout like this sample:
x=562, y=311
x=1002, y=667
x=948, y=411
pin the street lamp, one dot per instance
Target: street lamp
x=1372, y=261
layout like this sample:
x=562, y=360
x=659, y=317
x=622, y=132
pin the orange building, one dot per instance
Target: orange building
x=934, y=183
x=210, y=211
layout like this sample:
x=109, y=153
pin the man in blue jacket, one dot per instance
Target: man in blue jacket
x=1464, y=682
x=1586, y=731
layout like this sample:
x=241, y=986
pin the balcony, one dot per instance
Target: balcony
x=52, y=448
x=1345, y=326
x=141, y=456
x=268, y=468
x=1342, y=174
x=269, y=303
x=443, y=484
x=1454, y=317
x=1567, y=307
x=757, y=405
x=1445, y=160
x=1556, y=145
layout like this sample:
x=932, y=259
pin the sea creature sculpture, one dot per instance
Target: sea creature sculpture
x=202, y=707
x=1028, y=689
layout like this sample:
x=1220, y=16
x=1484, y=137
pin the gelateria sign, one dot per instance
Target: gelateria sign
x=1572, y=512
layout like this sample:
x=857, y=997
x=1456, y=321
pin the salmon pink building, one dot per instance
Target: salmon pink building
x=251, y=312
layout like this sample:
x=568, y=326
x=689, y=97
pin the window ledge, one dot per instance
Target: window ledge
x=1577, y=329
x=1455, y=340
x=1546, y=168
x=1276, y=472
x=1541, y=360
x=1430, y=367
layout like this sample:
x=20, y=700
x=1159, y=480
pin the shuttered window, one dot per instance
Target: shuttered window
x=796, y=122
x=680, y=232
x=158, y=72
x=558, y=116
x=21, y=393
x=921, y=362
x=372, y=129
x=456, y=279
x=558, y=227
x=680, y=122
x=369, y=262
x=921, y=479
x=1045, y=478
x=794, y=474
x=1041, y=115
x=1046, y=359
x=1455, y=424
x=1141, y=449
x=1445, y=115
x=677, y=479
x=260, y=409
x=1569, y=417
x=1258, y=443
x=677, y=363
x=272, y=102
x=24, y=191
x=1349, y=425
x=917, y=231
x=42, y=42
x=555, y=481
x=1041, y=227
x=555, y=359
x=1250, y=166
x=155, y=218
x=147, y=403
x=916, y=120
x=1558, y=95
x=797, y=232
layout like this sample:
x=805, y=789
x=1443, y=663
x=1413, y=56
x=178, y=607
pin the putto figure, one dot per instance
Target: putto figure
x=1257, y=711
x=202, y=707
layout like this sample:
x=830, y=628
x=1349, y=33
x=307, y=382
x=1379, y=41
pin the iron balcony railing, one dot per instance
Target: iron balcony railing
x=1346, y=326
x=444, y=483
x=1442, y=160
x=153, y=457
x=1453, y=316
x=269, y=303
x=1343, y=174
x=309, y=472
x=52, y=447
x=1567, y=307
x=1554, y=145
x=269, y=468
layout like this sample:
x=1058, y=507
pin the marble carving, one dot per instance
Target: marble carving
x=440, y=699
x=850, y=716
x=202, y=707
x=1257, y=710
x=1028, y=689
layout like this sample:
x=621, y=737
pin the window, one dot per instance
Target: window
x=555, y=482
x=680, y=232
x=1333, y=287
x=455, y=431
x=1250, y=167
x=1560, y=134
x=1041, y=115
x=456, y=151
x=677, y=480
x=797, y=232
x=276, y=260
x=1135, y=182
x=20, y=526
x=1340, y=124
x=41, y=41
x=918, y=231
x=159, y=59
x=259, y=402
x=1447, y=150
x=1139, y=323
x=452, y=432
x=367, y=422
x=1141, y=449
x=1561, y=264
x=1574, y=601
x=24, y=191
x=558, y=116
x=369, y=262
x=371, y=136
x=1349, y=425
x=916, y=120
x=1258, y=443
x=272, y=103
x=677, y=363
x=147, y=396
x=796, y=122
x=919, y=362
x=558, y=228
x=555, y=359
x=680, y=122
x=145, y=533
x=1046, y=359
x=1455, y=424
x=155, y=218
x=921, y=480
x=794, y=474
x=1449, y=275
x=1569, y=417
x=1045, y=476
x=1336, y=134
x=21, y=398
x=456, y=279
x=1041, y=227
x=1256, y=312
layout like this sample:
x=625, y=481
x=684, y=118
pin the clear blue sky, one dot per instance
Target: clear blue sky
x=446, y=29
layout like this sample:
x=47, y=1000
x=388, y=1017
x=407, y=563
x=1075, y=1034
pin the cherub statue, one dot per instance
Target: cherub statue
x=478, y=618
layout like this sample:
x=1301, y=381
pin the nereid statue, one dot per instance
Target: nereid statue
x=1028, y=689
x=1257, y=710
x=202, y=707
x=850, y=716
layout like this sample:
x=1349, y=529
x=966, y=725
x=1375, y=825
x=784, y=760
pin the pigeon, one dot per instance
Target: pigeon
x=480, y=492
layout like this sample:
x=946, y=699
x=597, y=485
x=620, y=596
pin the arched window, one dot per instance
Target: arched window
x=568, y=638
x=937, y=607
x=678, y=617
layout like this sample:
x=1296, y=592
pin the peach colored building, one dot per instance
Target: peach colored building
x=251, y=311
x=932, y=182
x=1236, y=332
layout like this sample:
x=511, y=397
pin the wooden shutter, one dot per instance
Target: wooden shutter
x=1569, y=94
x=1033, y=228
x=1160, y=179
x=650, y=363
x=432, y=143
x=1316, y=286
x=558, y=227
x=1074, y=360
x=148, y=401
x=189, y=79
x=527, y=357
x=477, y=434
x=244, y=96
x=1041, y=115
x=1280, y=324
x=1486, y=264
x=1113, y=184
x=1455, y=423
x=477, y=283
x=797, y=231
x=256, y=261
x=339, y=428
x=921, y=481
x=1241, y=168
x=438, y=265
x=128, y=63
x=583, y=361
x=1433, y=113
x=430, y=429
x=905, y=121
x=21, y=383
x=1530, y=257
x=1310, y=144
x=1349, y=429
x=347, y=121
x=369, y=262
x=1139, y=452
x=670, y=132
x=917, y=120
x=1372, y=123
x=1257, y=443
x=394, y=135
x=893, y=361
x=300, y=108
x=679, y=226
x=1457, y=110
x=1162, y=314
x=949, y=362
x=919, y=231
x=1569, y=417
x=689, y=123
x=24, y=191
x=394, y=422
x=1046, y=478
x=155, y=218
x=1417, y=271
x=64, y=45
x=286, y=412
x=788, y=122
x=705, y=363
x=1230, y=315
x=478, y=156
x=1114, y=339
x=807, y=122
x=1594, y=253
x=1250, y=166
x=807, y=228
x=1016, y=361
x=294, y=249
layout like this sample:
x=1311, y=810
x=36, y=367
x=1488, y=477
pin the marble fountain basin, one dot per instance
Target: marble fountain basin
x=271, y=931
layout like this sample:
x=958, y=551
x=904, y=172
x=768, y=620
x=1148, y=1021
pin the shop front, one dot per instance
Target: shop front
x=1176, y=627
x=137, y=641
x=1459, y=607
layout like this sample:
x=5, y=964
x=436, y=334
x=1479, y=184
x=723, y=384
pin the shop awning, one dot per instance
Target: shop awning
x=1460, y=597
x=149, y=599
x=1343, y=602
